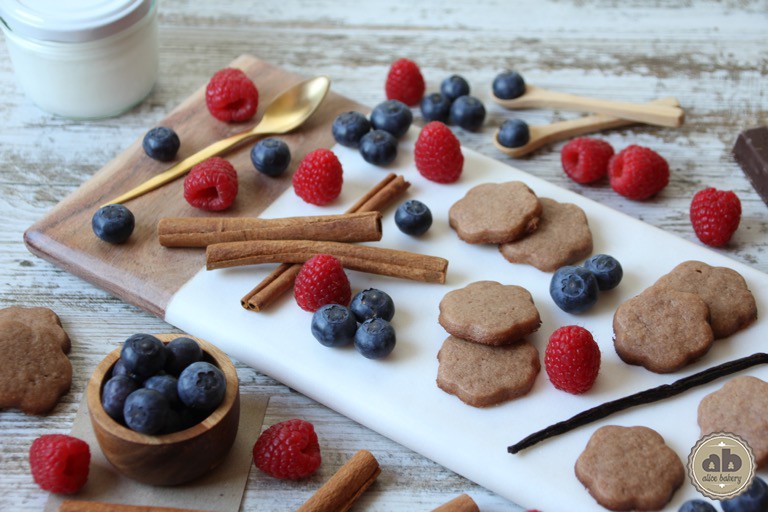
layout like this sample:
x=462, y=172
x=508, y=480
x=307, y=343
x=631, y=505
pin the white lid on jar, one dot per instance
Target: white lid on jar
x=71, y=21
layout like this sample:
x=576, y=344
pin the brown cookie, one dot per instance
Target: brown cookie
x=483, y=375
x=562, y=238
x=629, y=468
x=36, y=371
x=739, y=407
x=489, y=312
x=662, y=329
x=494, y=213
x=731, y=305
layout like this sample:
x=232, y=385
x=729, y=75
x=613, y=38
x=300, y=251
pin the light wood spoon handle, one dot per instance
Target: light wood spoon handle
x=544, y=134
x=649, y=113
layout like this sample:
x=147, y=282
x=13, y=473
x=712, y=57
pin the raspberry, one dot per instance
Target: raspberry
x=211, y=185
x=438, y=153
x=405, y=82
x=715, y=215
x=231, y=96
x=319, y=177
x=288, y=450
x=572, y=359
x=637, y=172
x=585, y=160
x=321, y=281
x=59, y=463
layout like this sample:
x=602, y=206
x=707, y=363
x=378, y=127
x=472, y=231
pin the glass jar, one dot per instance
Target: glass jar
x=83, y=59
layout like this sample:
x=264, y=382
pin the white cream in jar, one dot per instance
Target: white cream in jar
x=82, y=58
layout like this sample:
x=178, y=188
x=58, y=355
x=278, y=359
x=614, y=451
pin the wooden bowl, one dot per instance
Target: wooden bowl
x=168, y=459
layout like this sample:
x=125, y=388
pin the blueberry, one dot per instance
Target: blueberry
x=468, y=112
x=754, y=499
x=348, y=128
x=454, y=86
x=372, y=303
x=413, y=217
x=173, y=422
x=114, y=393
x=435, y=107
x=271, y=156
x=514, y=133
x=378, y=147
x=180, y=353
x=161, y=143
x=190, y=417
x=697, y=506
x=202, y=386
x=334, y=325
x=166, y=385
x=113, y=223
x=145, y=411
x=143, y=355
x=392, y=116
x=120, y=369
x=574, y=289
x=375, y=338
x=508, y=85
x=607, y=270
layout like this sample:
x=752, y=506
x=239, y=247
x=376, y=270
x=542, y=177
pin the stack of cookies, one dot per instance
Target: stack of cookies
x=538, y=231
x=486, y=360
x=676, y=320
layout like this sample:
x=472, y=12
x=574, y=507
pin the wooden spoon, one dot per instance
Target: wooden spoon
x=649, y=113
x=288, y=111
x=544, y=134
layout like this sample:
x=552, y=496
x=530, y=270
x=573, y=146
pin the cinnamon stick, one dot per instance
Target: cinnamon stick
x=281, y=279
x=381, y=195
x=341, y=491
x=363, y=258
x=98, y=506
x=203, y=231
x=461, y=503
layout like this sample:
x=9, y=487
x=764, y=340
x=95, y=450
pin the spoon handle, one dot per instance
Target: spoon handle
x=536, y=97
x=544, y=134
x=185, y=165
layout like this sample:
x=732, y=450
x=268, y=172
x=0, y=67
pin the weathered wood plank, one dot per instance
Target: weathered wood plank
x=710, y=54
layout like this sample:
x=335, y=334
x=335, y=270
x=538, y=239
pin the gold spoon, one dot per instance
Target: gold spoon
x=649, y=113
x=544, y=134
x=289, y=110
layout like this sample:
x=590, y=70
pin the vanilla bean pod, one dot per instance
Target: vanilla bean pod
x=643, y=397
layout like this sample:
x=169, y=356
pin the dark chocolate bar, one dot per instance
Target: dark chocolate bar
x=751, y=153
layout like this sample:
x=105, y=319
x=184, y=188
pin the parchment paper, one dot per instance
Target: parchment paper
x=221, y=490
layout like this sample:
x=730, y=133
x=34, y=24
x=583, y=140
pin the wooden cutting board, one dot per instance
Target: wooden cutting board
x=141, y=271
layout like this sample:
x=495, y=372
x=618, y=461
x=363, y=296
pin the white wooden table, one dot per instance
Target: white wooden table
x=710, y=55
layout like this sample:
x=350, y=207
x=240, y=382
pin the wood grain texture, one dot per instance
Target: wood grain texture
x=95, y=506
x=140, y=271
x=709, y=54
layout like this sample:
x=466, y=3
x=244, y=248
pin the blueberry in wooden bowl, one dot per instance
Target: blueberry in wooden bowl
x=191, y=436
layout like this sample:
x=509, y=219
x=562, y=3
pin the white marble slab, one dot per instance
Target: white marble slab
x=398, y=397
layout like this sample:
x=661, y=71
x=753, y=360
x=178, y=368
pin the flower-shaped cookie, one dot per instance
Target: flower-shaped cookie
x=629, y=468
x=662, y=329
x=562, y=238
x=494, y=213
x=489, y=312
x=740, y=407
x=482, y=375
x=36, y=371
x=731, y=305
